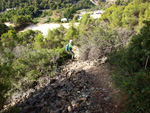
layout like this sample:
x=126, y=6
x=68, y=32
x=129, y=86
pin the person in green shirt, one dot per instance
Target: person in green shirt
x=70, y=49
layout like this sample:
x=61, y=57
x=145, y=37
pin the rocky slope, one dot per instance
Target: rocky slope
x=79, y=87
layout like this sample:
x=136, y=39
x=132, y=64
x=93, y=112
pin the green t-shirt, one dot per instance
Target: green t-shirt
x=70, y=47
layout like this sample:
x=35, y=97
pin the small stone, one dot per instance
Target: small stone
x=69, y=74
x=45, y=103
x=58, y=104
x=88, y=103
x=103, y=60
x=62, y=84
x=74, y=103
x=13, y=103
x=106, y=98
x=83, y=99
x=54, y=111
x=79, y=92
x=70, y=88
x=62, y=94
x=42, y=100
x=44, y=110
x=85, y=95
x=69, y=108
x=87, y=111
x=92, y=88
x=104, y=89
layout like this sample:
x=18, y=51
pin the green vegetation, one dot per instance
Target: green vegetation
x=21, y=16
x=28, y=11
x=27, y=56
x=128, y=54
x=131, y=71
x=123, y=2
x=130, y=16
x=131, y=61
x=3, y=28
x=97, y=40
x=45, y=4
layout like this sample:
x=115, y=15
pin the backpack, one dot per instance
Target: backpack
x=67, y=47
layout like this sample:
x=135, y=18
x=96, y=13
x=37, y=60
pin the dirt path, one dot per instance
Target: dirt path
x=103, y=96
x=79, y=87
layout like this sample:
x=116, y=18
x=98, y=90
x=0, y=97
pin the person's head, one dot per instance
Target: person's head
x=70, y=41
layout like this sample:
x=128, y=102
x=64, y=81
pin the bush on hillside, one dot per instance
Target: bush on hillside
x=27, y=37
x=116, y=16
x=27, y=56
x=4, y=83
x=20, y=21
x=96, y=40
x=106, y=16
x=3, y=28
x=131, y=71
x=123, y=2
x=130, y=16
x=54, y=38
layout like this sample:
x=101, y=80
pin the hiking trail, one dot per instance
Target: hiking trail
x=79, y=87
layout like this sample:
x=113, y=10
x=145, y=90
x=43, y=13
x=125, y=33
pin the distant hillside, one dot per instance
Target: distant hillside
x=96, y=1
x=45, y=4
x=111, y=0
x=118, y=2
x=128, y=15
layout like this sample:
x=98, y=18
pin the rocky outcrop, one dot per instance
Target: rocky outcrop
x=68, y=92
x=79, y=87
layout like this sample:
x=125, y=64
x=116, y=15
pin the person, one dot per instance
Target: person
x=70, y=49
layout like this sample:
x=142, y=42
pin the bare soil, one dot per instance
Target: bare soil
x=103, y=96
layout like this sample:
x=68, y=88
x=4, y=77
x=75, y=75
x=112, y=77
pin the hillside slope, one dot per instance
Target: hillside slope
x=44, y=4
x=80, y=86
x=95, y=2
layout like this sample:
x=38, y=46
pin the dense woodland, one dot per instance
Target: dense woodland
x=122, y=34
x=45, y=4
x=21, y=16
x=130, y=16
x=28, y=11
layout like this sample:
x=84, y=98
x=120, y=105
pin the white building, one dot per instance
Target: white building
x=93, y=14
x=64, y=20
x=96, y=14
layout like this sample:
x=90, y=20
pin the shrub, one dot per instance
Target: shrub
x=130, y=16
x=56, y=38
x=116, y=17
x=131, y=72
x=27, y=56
x=96, y=40
x=106, y=16
x=123, y=2
x=3, y=29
